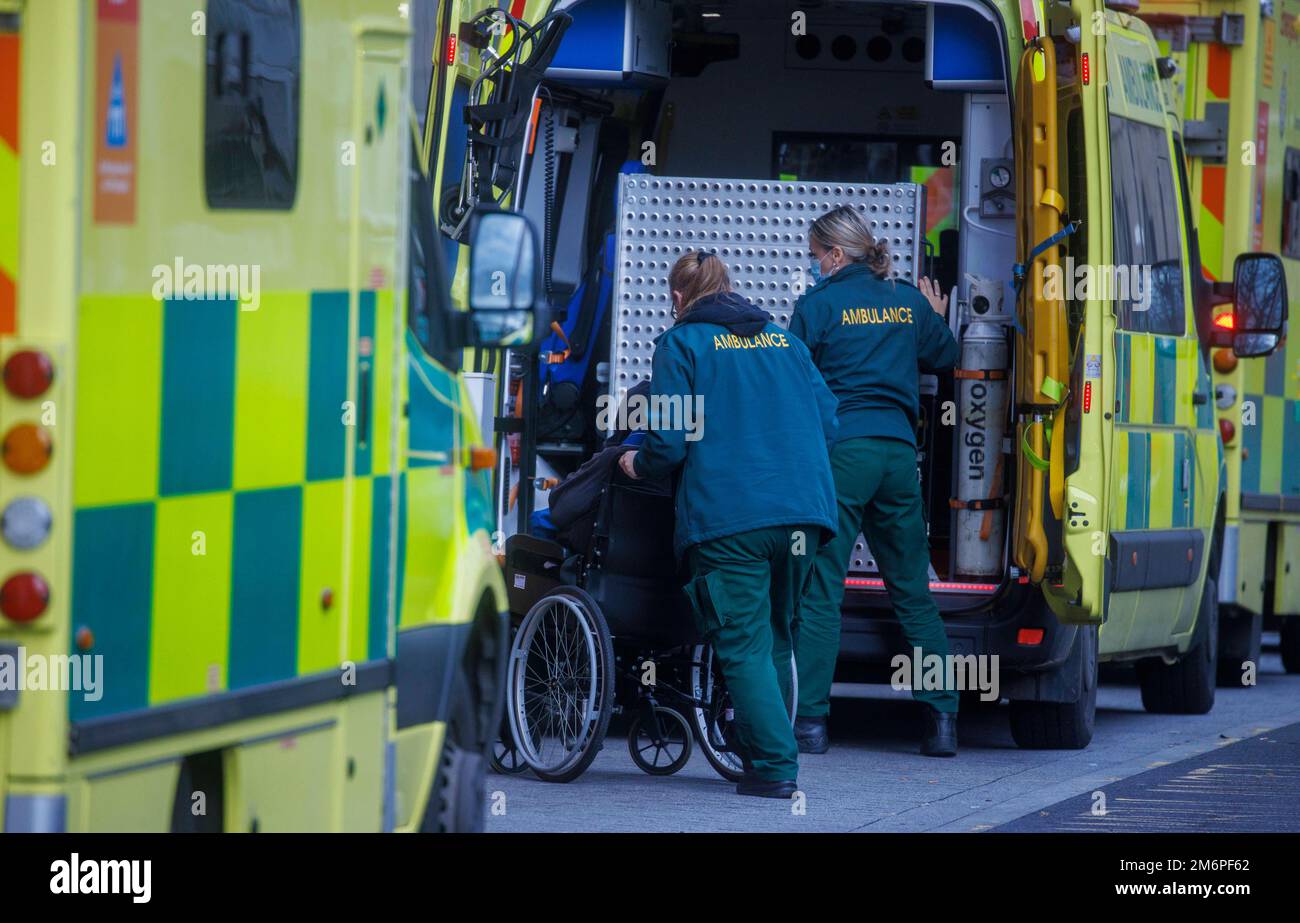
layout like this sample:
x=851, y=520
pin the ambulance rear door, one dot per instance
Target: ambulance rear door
x=1063, y=448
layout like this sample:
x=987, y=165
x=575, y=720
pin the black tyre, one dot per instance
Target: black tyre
x=1062, y=725
x=458, y=803
x=1290, y=634
x=560, y=684
x=713, y=712
x=1239, y=644
x=660, y=743
x=1186, y=687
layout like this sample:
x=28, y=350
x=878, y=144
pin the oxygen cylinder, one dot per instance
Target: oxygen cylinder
x=981, y=472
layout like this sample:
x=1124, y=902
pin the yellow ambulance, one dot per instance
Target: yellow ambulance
x=1236, y=72
x=1038, y=160
x=246, y=577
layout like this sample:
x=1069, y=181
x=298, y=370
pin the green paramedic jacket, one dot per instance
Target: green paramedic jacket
x=764, y=423
x=869, y=336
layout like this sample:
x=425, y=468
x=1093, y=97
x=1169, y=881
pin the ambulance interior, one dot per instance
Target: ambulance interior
x=859, y=92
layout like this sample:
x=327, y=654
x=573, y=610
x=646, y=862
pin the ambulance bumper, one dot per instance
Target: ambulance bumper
x=36, y=814
x=1016, y=626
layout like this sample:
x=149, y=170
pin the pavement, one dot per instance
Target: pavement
x=874, y=780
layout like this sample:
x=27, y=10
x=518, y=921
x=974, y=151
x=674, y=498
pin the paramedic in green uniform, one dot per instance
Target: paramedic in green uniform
x=870, y=336
x=755, y=499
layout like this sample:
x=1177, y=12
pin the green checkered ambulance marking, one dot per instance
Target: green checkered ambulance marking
x=211, y=461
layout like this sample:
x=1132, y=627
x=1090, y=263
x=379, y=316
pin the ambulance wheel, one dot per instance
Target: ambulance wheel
x=660, y=743
x=458, y=803
x=1239, y=644
x=1290, y=633
x=712, y=714
x=560, y=684
x=1061, y=725
x=1186, y=687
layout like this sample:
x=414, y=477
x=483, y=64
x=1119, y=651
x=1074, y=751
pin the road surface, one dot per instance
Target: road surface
x=873, y=779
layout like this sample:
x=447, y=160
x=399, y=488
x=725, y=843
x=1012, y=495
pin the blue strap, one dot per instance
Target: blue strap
x=1018, y=270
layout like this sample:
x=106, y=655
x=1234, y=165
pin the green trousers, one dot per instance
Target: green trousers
x=877, y=492
x=745, y=589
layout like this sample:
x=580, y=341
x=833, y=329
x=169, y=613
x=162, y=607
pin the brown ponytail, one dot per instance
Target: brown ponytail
x=846, y=228
x=697, y=274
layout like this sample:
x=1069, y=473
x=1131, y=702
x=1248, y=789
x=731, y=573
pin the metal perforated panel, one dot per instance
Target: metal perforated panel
x=758, y=227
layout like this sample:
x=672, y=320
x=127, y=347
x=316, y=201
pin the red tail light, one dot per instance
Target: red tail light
x=24, y=596
x=1030, y=636
x=451, y=49
x=28, y=374
x=1227, y=432
x=1085, y=68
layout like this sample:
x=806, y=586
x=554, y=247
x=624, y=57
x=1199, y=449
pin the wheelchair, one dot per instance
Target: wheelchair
x=603, y=628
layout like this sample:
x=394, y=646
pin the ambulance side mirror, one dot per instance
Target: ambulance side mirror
x=1260, y=298
x=507, y=297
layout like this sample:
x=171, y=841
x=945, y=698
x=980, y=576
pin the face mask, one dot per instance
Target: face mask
x=815, y=270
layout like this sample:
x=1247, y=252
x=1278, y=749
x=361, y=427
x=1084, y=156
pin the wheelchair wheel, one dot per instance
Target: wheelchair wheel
x=660, y=742
x=713, y=713
x=560, y=684
x=506, y=759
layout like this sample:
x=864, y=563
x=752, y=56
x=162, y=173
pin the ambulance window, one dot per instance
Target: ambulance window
x=1146, y=278
x=1077, y=207
x=250, y=133
x=1291, y=204
x=453, y=163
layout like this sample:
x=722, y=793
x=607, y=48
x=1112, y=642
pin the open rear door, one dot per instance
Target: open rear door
x=1042, y=360
x=1059, y=537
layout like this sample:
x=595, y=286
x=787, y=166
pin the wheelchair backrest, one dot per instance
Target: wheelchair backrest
x=634, y=531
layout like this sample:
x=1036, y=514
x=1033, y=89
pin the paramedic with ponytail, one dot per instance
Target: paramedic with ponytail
x=755, y=497
x=870, y=336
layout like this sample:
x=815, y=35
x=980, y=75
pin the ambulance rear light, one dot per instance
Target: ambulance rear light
x=25, y=523
x=1225, y=360
x=26, y=448
x=23, y=597
x=1224, y=321
x=940, y=586
x=482, y=458
x=28, y=374
x=1085, y=69
x=451, y=49
x=1030, y=636
x=1227, y=432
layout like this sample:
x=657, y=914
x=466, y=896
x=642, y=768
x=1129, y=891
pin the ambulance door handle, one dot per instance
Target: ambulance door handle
x=1199, y=397
x=363, y=405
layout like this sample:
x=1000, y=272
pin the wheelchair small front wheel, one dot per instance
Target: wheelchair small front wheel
x=659, y=741
x=560, y=684
x=506, y=759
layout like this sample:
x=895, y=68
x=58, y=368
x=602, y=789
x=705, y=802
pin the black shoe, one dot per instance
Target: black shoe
x=811, y=736
x=751, y=784
x=939, y=737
